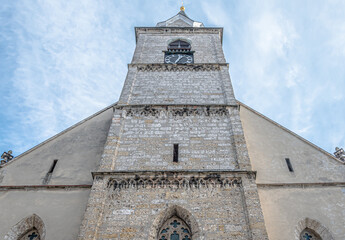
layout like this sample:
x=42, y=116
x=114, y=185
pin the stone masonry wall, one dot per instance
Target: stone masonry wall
x=183, y=84
x=207, y=46
x=142, y=138
x=135, y=206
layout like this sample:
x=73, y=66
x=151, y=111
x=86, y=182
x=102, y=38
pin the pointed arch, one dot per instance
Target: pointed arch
x=314, y=226
x=170, y=212
x=179, y=44
x=26, y=225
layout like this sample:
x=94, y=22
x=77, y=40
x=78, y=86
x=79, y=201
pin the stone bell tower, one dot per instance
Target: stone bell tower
x=175, y=165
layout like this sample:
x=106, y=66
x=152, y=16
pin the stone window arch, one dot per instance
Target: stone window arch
x=32, y=234
x=309, y=234
x=310, y=229
x=168, y=216
x=175, y=229
x=179, y=45
x=29, y=228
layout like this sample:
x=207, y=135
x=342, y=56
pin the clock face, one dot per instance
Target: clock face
x=178, y=58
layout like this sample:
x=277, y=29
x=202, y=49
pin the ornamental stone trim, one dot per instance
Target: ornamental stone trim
x=119, y=183
x=163, y=67
x=314, y=225
x=170, y=212
x=25, y=225
x=175, y=111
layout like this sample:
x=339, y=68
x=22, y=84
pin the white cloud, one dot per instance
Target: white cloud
x=69, y=60
x=293, y=76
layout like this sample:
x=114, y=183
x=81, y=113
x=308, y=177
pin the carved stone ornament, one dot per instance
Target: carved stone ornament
x=6, y=157
x=179, y=67
x=118, y=184
x=340, y=154
x=175, y=111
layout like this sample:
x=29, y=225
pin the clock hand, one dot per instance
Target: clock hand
x=179, y=57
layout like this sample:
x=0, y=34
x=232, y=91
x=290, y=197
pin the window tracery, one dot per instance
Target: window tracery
x=308, y=234
x=31, y=235
x=175, y=229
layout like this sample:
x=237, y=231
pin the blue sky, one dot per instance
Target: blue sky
x=61, y=61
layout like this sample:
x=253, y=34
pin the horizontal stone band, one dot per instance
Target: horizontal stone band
x=175, y=111
x=162, y=67
x=173, y=182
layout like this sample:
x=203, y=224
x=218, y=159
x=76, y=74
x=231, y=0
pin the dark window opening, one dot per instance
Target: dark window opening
x=288, y=163
x=50, y=172
x=175, y=157
x=53, y=166
x=179, y=45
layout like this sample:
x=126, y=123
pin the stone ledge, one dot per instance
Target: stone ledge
x=36, y=187
x=301, y=185
x=174, y=30
x=175, y=171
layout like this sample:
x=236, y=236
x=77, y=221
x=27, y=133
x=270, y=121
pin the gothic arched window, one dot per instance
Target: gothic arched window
x=175, y=229
x=31, y=235
x=308, y=234
x=179, y=46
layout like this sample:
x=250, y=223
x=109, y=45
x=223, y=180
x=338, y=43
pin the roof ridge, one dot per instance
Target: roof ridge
x=291, y=132
x=59, y=134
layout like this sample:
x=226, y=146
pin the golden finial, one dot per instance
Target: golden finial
x=182, y=8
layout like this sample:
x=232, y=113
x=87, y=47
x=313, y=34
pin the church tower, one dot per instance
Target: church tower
x=175, y=164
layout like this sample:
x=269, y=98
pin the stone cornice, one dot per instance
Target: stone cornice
x=43, y=187
x=163, y=67
x=177, y=30
x=301, y=185
x=194, y=172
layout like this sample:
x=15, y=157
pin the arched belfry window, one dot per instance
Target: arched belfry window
x=179, y=46
x=174, y=229
x=309, y=234
x=31, y=235
x=179, y=52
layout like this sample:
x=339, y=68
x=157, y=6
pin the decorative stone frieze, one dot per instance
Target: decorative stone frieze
x=162, y=67
x=173, y=182
x=340, y=154
x=175, y=111
x=176, y=30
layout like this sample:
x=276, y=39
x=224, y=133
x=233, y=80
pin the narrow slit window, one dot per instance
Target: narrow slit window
x=175, y=156
x=53, y=166
x=50, y=172
x=288, y=163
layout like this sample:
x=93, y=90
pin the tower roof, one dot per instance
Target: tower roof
x=180, y=20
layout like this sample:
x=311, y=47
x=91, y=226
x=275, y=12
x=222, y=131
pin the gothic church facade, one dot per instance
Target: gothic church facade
x=177, y=157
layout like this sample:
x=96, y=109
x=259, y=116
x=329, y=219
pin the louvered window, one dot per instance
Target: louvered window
x=179, y=46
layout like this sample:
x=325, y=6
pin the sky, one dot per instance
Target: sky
x=62, y=61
